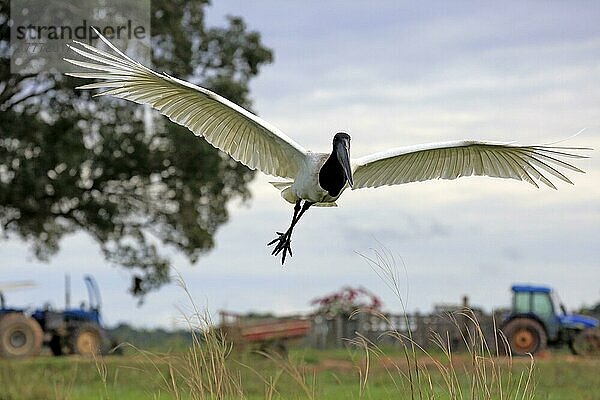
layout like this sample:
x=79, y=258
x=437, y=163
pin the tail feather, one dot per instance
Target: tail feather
x=332, y=204
x=286, y=193
x=281, y=185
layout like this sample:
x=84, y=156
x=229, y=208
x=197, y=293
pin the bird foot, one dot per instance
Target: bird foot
x=283, y=241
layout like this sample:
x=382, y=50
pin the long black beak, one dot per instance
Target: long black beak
x=343, y=155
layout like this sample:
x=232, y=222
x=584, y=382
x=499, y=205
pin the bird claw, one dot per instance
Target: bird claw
x=276, y=239
x=283, y=244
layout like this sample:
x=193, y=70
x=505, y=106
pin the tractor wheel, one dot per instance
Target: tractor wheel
x=525, y=336
x=20, y=336
x=86, y=340
x=586, y=343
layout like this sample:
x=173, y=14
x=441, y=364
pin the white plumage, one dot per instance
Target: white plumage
x=259, y=145
x=227, y=126
x=450, y=160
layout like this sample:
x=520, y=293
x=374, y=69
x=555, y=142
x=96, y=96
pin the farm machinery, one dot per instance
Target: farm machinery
x=70, y=331
x=268, y=335
x=538, y=319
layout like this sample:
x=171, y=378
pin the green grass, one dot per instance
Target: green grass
x=332, y=374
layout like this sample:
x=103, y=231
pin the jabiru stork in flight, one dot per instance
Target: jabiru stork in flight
x=310, y=178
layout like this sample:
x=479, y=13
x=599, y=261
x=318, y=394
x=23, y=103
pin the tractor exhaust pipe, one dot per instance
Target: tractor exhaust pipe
x=67, y=291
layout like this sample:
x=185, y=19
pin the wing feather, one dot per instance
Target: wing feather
x=502, y=167
x=515, y=170
x=535, y=160
x=451, y=160
x=230, y=128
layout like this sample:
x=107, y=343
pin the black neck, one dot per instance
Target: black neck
x=331, y=176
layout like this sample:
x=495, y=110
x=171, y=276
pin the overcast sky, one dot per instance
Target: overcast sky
x=393, y=74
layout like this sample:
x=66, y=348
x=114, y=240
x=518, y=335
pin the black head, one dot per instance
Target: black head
x=341, y=147
x=341, y=136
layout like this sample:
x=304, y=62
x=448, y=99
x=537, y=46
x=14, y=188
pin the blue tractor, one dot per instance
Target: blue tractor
x=70, y=331
x=538, y=319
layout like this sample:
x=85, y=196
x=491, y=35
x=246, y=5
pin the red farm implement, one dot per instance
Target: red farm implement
x=266, y=334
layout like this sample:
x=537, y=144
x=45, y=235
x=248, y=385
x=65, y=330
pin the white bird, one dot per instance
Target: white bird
x=312, y=178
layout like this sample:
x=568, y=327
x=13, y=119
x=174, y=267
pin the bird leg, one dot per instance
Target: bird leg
x=284, y=239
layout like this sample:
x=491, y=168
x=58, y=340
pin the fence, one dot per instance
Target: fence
x=450, y=326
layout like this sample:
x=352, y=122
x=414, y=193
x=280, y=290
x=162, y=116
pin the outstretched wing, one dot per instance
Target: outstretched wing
x=450, y=160
x=227, y=126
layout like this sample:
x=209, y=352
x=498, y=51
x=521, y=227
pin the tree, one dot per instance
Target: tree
x=72, y=163
x=346, y=301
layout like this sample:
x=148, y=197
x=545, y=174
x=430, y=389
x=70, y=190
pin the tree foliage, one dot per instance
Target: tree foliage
x=346, y=301
x=69, y=162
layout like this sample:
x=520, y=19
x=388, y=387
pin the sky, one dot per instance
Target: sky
x=391, y=74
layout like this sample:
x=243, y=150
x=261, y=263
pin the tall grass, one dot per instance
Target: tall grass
x=207, y=369
x=489, y=375
x=202, y=372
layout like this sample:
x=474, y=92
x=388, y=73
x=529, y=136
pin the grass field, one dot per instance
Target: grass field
x=332, y=374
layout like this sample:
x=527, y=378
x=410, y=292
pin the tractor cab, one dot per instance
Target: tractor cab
x=91, y=311
x=539, y=318
x=537, y=302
